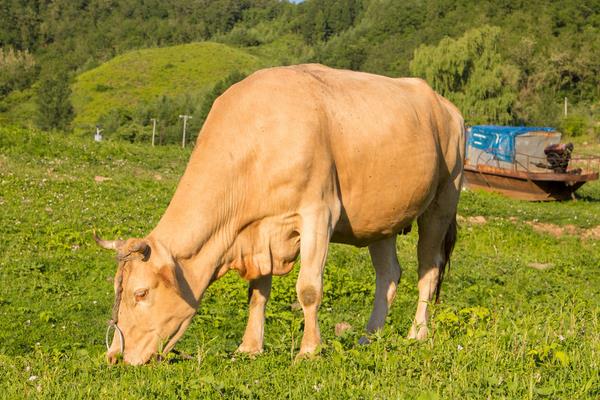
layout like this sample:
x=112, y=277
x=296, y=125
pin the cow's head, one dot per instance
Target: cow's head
x=149, y=308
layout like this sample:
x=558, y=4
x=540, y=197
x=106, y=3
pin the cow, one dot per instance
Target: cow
x=287, y=161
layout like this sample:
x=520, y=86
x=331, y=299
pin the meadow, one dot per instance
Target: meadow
x=144, y=75
x=518, y=318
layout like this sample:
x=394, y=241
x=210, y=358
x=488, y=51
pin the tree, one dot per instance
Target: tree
x=17, y=70
x=553, y=45
x=54, y=108
x=471, y=72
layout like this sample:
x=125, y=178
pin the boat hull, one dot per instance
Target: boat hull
x=531, y=186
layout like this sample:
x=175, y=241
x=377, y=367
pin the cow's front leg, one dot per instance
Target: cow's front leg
x=258, y=296
x=314, y=241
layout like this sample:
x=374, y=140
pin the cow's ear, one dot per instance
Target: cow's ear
x=135, y=249
x=140, y=246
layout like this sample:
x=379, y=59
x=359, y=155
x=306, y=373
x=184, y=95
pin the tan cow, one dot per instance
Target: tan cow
x=288, y=160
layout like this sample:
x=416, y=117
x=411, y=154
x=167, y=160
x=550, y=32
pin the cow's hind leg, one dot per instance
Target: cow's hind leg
x=314, y=241
x=437, y=234
x=387, y=275
x=258, y=295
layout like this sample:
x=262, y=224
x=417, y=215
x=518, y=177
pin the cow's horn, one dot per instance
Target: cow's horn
x=108, y=244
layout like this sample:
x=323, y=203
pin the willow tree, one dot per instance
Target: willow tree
x=472, y=73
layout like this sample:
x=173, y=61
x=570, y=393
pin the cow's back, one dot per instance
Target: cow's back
x=283, y=133
x=384, y=144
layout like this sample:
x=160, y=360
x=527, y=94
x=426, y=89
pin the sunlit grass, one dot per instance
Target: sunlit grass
x=503, y=329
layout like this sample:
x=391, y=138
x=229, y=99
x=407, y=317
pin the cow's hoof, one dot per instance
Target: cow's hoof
x=364, y=340
x=308, y=354
x=418, y=334
x=249, y=350
x=305, y=357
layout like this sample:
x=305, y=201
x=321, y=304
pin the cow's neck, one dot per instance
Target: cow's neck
x=200, y=222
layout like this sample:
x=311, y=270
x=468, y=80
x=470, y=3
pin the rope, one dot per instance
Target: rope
x=118, y=293
x=115, y=311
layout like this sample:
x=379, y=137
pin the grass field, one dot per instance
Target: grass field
x=145, y=75
x=519, y=316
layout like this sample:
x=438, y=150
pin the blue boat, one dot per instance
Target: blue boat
x=526, y=163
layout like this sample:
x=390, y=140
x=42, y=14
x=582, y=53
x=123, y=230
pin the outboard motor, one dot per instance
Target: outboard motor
x=558, y=156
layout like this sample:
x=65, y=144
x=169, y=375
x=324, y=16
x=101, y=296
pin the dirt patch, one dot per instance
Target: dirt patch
x=342, y=327
x=99, y=178
x=475, y=220
x=571, y=230
x=541, y=227
x=541, y=266
x=592, y=233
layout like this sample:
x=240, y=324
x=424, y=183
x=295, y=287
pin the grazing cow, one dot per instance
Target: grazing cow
x=288, y=160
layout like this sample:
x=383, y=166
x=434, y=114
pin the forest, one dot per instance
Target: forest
x=501, y=62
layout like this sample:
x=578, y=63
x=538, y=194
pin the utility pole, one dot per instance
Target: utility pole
x=565, y=106
x=185, y=118
x=153, y=129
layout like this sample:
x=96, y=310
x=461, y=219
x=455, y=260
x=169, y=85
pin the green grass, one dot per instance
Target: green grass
x=16, y=106
x=503, y=329
x=144, y=75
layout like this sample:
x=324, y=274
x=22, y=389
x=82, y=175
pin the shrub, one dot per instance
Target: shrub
x=54, y=108
x=102, y=88
x=574, y=125
x=18, y=70
x=114, y=120
x=242, y=37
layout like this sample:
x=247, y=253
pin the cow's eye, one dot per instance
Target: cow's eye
x=140, y=294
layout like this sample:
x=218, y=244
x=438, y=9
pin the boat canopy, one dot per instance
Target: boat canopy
x=500, y=140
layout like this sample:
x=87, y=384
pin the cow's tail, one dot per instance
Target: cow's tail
x=447, y=247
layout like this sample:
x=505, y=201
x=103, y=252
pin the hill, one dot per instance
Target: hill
x=142, y=76
x=501, y=63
